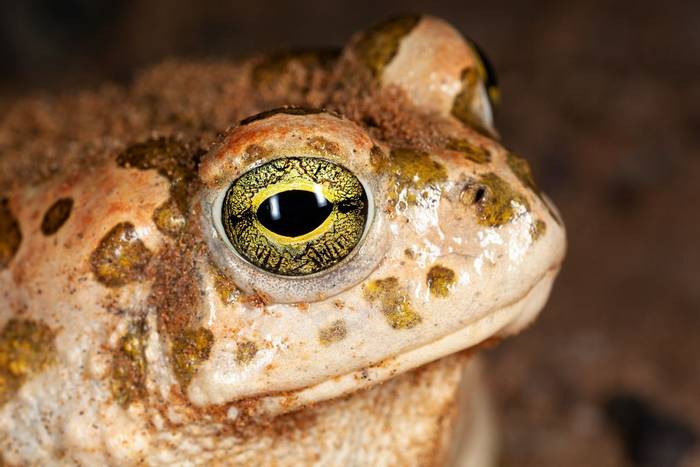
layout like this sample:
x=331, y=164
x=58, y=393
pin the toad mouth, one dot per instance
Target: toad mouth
x=506, y=320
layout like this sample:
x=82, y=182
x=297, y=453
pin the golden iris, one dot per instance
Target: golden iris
x=295, y=216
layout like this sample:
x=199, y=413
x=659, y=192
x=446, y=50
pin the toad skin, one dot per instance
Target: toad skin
x=150, y=314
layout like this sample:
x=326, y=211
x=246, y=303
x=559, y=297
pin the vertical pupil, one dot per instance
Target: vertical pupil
x=293, y=213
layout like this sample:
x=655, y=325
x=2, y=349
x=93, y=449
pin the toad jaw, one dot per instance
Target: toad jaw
x=504, y=321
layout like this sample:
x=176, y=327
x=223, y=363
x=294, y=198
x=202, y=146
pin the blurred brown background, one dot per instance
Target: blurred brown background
x=602, y=97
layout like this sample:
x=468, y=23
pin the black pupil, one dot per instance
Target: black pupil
x=294, y=212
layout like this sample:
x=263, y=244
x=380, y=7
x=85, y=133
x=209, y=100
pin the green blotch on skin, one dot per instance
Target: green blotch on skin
x=412, y=170
x=225, y=288
x=129, y=366
x=521, y=168
x=393, y=302
x=334, y=332
x=440, y=280
x=121, y=257
x=189, y=349
x=538, y=229
x=462, y=106
x=496, y=201
x=472, y=152
x=10, y=234
x=56, y=216
x=26, y=348
x=168, y=218
x=172, y=159
x=379, y=44
x=245, y=352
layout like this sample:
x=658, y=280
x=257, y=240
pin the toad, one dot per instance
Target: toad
x=286, y=260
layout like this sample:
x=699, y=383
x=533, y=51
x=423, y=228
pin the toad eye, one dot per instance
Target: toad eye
x=295, y=216
x=488, y=74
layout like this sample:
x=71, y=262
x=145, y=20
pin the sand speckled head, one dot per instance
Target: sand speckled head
x=371, y=256
x=336, y=221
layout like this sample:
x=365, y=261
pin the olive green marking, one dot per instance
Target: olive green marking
x=495, y=200
x=440, y=280
x=537, y=229
x=121, y=257
x=288, y=110
x=168, y=218
x=128, y=382
x=10, y=234
x=56, y=216
x=379, y=45
x=462, y=104
x=26, y=348
x=521, y=168
x=245, y=352
x=393, y=302
x=189, y=349
x=172, y=159
x=273, y=67
x=414, y=171
x=225, y=288
x=334, y=332
x=472, y=152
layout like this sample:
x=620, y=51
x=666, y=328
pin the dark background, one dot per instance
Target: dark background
x=602, y=97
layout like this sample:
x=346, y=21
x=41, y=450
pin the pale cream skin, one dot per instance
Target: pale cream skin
x=502, y=274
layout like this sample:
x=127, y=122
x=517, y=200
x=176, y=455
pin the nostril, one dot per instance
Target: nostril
x=479, y=195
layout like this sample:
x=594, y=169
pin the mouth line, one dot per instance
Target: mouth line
x=495, y=323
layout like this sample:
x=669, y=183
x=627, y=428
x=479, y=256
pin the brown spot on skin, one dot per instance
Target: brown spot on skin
x=10, y=234
x=254, y=152
x=538, y=229
x=245, y=352
x=440, y=280
x=496, y=202
x=462, y=104
x=168, y=218
x=172, y=159
x=393, y=301
x=26, y=348
x=288, y=110
x=56, y=216
x=474, y=153
x=324, y=146
x=189, y=349
x=129, y=365
x=121, y=257
x=176, y=292
x=334, y=332
x=377, y=158
x=378, y=45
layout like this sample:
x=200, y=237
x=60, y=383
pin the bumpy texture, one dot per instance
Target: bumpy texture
x=135, y=331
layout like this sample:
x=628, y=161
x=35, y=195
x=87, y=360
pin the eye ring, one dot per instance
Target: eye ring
x=332, y=242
